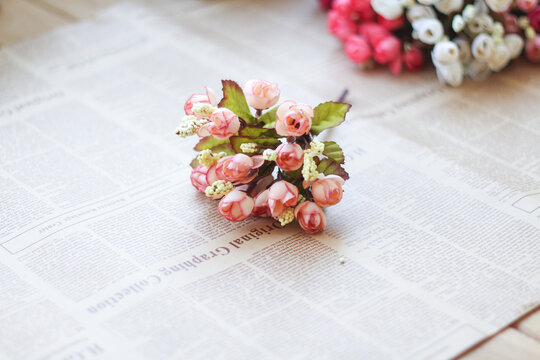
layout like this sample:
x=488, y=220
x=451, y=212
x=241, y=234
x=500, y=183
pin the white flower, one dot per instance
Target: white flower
x=389, y=9
x=449, y=6
x=498, y=5
x=445, y=53
x=451, y=74
x=514, y=43
x=458, y=24
x=478, y=70
x=482, y=47
x=497, y=30
x=469, y=12
x=428, y=2
x=500, y=58
x=464, y=48
x=480, y=23
x=429, y=31
x=417, y=12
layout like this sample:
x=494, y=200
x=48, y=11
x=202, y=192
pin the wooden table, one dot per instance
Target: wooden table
x=24, y=19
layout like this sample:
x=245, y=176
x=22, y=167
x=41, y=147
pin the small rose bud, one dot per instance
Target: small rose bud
x=239, y=168
x=511, y=24
x=451, y=74
x=293, y=119
x=515, y=44
x=289, y=157
x=444, y=53
x=500, y=58
x=236, y=206
x=310, y=217
x=428, y=2
x=327, y=190
x=534, y=18
x=532, y=49
x=478, y=70
x=360, y=5
x=464, y=48
x=389, y=9
x=357, y=49
x=261, y=94
x=373, y=32
x=413, y=58
x=458, y=24
x=261, y=205
x=208, y=98
x=222, y=125
x=480, y=23
x=391, y=24
x=449, y=6
x=387, y=50
x=339, y=25
x=396, y=66
x=417, y=12
x=429, y=31
x=526, y=5
x=282, y=195
x=201, y=177
x=483, y=47
x=499, y=5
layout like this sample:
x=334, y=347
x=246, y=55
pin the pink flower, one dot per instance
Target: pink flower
x=239, y=168
x=387, y=50
x=357, y=49
x=325, y=4
x=534, y=18
x=202, y=177
x=526, y=5
x=290, y=156
x=293, y=119
x=343, y=6
x=391, y=24
x=373, y=32
x=208, y=98
x=310, y=217
x=236, y=206
x=511, y=24
x=282, y=195
x=532, y=49
x=413, y=58
x=361, y=5
x=223, y=124
x=261, y=94
x=339, y=25
x=366, y=15
x=328, y=190
x=261, y=205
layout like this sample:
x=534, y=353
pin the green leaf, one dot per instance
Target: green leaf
x=209, y=142
x=327, y=115
x=236, y=141
x=329, y=167
x=194, y=163
x=334, y=152
x=293, y=175
x=235, y=100
x=255, y=131
x=269, y=118
x=226, y=148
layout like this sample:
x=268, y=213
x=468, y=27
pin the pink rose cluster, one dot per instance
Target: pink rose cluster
x=462, y=38
x=261, y=163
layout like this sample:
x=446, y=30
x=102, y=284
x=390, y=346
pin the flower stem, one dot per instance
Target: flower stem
x=343, y=95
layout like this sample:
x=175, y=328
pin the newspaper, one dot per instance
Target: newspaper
x=107, y=252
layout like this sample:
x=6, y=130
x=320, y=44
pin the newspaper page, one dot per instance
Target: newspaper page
x=108, y=253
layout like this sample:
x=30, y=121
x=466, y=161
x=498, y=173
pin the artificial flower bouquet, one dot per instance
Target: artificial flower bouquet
x=462, y=37
x=265, y=162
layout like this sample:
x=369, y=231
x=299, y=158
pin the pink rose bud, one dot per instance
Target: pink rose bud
x=343, y=6
x=373, y=32
x=327, y=191
x=208, y=98
x=511, y=24
x=361, y=5
x=282, y=195
x=387, y=50
x=310, y=217
x=532, y=49
x=261, y=94
x=289, y=157
x=261, y=205
x=526, y=5
x=339, y=25
x=239, y=168
x=396, y=65
x=366, y=15
x=293, y=119
x=201, y=177
x=391, y=24
x=413, y=58
x=534, y=18
x=357, y=49
x=236, y=206
x=223, y=124
x=325, y=4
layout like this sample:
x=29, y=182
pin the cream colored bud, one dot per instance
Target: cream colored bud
x=449, y=6
x=451, y=74
x=515, y=44
x=498, y=5
x=464, y=48
x=500, y=58
x=482, y=47
x=417, y=12
x=469, y=12
x=458, y=24
x=445, y=52
x=480, y=23
x=429, y=31
x=389, y=9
